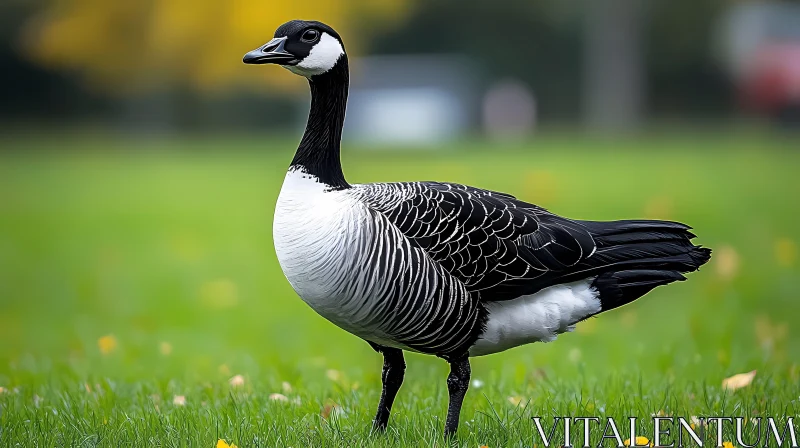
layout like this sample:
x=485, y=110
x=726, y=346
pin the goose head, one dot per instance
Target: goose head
x=306, y=48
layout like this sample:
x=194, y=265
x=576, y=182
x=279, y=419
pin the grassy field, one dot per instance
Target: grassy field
x=138, y=279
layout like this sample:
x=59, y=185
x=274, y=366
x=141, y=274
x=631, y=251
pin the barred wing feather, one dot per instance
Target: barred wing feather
x=492, y=242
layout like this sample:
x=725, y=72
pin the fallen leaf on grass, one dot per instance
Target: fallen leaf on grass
x=738, y=381
x=223, y=444
x=515, y=400
x=539, y=374
x=236, y=381
x=327, y=410
x=107, y=344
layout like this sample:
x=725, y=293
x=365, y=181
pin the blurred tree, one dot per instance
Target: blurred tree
x=129, y=45
x=31, y=93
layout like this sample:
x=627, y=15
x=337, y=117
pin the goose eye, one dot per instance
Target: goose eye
x=310, y=36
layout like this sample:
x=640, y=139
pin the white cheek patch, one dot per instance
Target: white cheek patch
x=323, y=57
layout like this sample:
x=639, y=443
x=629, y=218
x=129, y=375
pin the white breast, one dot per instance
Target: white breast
x=319, y=236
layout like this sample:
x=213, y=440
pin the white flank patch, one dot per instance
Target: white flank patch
x=538, y=317
x=323, y=57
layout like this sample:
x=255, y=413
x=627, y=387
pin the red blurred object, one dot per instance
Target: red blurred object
x=771, y=83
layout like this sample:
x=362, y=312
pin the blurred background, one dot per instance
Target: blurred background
x=140, y=161
x=422, y=70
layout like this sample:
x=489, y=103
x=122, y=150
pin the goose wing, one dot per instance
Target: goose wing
x=492, y=242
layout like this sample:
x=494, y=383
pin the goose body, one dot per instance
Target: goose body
x=440, y=268
x=351, y=263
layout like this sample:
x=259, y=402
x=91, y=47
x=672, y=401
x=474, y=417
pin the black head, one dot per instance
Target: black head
x=307, y=48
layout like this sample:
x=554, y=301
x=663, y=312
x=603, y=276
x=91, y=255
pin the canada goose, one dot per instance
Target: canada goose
x=439, y=268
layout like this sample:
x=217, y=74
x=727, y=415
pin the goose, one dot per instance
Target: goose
x=440, y=268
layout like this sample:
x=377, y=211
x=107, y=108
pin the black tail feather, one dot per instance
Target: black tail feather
x=641, y=255
x=622, y=287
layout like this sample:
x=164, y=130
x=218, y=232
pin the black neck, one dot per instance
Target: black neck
x=319, y=149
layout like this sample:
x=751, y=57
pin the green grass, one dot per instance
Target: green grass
x=169, y=242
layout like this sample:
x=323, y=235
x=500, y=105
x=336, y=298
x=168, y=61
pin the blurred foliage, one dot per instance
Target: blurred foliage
x=134, y=44
x=72, y=60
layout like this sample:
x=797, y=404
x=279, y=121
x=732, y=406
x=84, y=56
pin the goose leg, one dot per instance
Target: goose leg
x=457, y=384
x=394, y=368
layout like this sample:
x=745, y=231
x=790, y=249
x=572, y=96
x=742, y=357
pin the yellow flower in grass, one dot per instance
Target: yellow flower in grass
x=223, y=444
x=726, y=262
x=659, y=207
x=727, y=445
x=219, y=294
x=574, y=355
x=236, y=381
x=333, y=375
x=785, y=252
x=541, y=185
x=107, y=344
x=165, y=348
x=640, y=441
